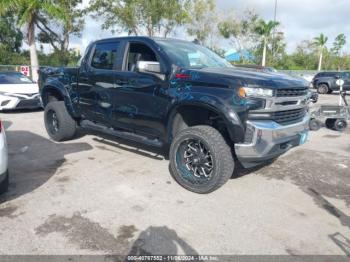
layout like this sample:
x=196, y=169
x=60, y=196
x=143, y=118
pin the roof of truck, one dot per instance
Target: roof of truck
x=140, y=38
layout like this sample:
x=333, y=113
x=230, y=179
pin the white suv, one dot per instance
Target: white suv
x=4, y=177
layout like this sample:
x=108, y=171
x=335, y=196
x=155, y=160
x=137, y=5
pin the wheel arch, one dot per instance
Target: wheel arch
x=53, y=92
x=323, y=83
x=201, y=113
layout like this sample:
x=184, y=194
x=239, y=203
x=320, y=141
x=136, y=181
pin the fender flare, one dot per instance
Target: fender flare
x=232, y=121
x=58, y=87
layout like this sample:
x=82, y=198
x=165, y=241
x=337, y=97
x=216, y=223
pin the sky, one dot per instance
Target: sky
x=300, y=20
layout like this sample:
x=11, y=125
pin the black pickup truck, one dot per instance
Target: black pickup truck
x=182, y=97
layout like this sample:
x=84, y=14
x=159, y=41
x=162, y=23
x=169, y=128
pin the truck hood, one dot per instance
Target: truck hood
x=19, y=88
x=253, y=78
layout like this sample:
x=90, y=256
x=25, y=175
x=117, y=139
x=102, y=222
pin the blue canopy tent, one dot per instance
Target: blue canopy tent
x=235, y=56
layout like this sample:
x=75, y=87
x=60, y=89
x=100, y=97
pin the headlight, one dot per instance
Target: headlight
x=257, y=92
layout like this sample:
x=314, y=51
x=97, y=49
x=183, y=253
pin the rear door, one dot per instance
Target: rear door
x=96, y=81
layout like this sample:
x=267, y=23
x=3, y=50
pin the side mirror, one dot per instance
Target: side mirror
x=148, y=67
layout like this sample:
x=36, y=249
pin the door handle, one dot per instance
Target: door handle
x=85, y=78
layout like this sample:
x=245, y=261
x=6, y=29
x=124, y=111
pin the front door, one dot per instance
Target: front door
x=140, y=99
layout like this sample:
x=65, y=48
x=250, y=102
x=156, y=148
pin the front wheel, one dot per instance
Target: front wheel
x=59, y=124
x=200, y=159
x=314, y=124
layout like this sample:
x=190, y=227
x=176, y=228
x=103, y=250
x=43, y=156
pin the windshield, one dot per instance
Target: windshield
x=190, y=55
x=14, y=78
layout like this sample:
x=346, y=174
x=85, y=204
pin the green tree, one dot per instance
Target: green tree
x=304, y=57
x=275, y=51
x=70, y=22
x=336, y=50
x=320, y=42
x=240, y=30
x=141, y=17
x=338, y=44
x=28, y=12
x=203, y=19
x=264, y=30
x=11, y=37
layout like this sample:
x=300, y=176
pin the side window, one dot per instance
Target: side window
x=139, y=52
x=105, y=55
x=346, y=75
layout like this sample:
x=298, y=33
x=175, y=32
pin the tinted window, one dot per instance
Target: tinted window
x=14, y=78
x=104, y=55
x=345, y=75
x=326, y=74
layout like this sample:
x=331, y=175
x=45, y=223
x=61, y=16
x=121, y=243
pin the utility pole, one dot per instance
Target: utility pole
x=274, y=32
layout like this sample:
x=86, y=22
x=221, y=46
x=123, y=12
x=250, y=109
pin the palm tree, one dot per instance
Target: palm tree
x=320, y=42
x=28, y=13
x=264, y=30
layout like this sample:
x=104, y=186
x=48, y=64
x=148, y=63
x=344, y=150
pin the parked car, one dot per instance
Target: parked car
x=180, y=96
x=18, y=92
x=324, y=82
x=4, y=176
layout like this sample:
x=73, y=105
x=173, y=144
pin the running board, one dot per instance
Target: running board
x=121, y=134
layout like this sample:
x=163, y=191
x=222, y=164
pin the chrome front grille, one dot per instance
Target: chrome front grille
x=289, y=116
x=291, y=92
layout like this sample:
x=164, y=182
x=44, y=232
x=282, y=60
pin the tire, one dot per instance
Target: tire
x=330, y=123
x=207, y=141
x=340, y=124
x=4, y=185
x=322, y=88
x=314, y=124
x=65, y=126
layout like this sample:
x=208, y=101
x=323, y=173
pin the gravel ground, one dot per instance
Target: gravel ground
x=96, y=195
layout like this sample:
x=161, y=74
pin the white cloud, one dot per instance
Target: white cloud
x=300, y=19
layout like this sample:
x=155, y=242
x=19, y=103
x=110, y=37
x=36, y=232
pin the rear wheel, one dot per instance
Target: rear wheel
x=59, y=124
x=322, y=89
x=200, y=159
x=340, y=124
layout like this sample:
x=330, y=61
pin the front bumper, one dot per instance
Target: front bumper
x=269, y=139
x=8, y=102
